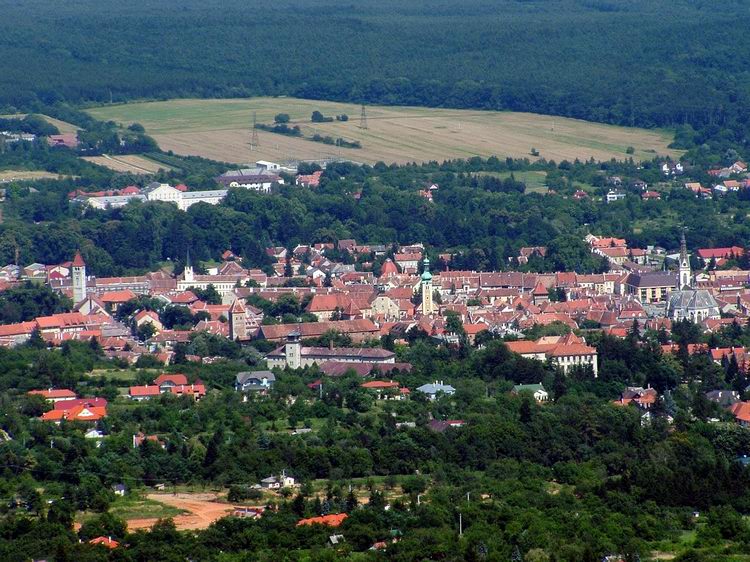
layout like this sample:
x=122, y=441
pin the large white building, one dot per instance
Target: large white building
x=158, y=192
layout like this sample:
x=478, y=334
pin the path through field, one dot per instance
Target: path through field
x=201, y=511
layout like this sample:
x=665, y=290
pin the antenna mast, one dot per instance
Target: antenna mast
x=254, y=142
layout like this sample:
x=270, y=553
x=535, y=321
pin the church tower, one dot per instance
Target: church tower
x=428, y=307
x=188, y=274
x=685, y=275
x=293, y=350
x=78, y=272
x=237, y=321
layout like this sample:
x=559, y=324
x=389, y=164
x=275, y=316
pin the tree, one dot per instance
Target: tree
x=281, y=118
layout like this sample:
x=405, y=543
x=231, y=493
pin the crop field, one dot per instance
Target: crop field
x=62, y=126
x=222, y=129
x=128, y=163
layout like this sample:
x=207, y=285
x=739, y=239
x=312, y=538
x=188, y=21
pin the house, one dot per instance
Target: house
x=724, y=398
x=566, y=352
x=148, y=317
x=278, y=482
x=54, y=394
x=119, y=489
x=254, y=381
x=439, y=426
x=140, y=438
x=258, y=179
x=108, y=542
x=536, y=390
x=146, y=392
x=294, y=355
x=328, y=520
x=650, y=286
x=359, y=330
x=434, y=389
x=741, y=413
x=76, y=414
x=167, y=382
x=642, y=397
x=527, y=252
x=613, y=196
x=651, y=196
x=386, y=390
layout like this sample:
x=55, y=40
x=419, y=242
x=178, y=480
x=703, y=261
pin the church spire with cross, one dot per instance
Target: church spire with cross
x=685, y=275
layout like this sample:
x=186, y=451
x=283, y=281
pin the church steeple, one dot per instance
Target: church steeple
x=685, y=275
x=428, y=306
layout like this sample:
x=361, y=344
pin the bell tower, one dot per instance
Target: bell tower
x=685, y=275
x=428, y=306
x=78, y=273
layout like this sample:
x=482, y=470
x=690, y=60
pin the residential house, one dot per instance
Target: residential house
x=254, y=381
x=536, y=390
x=435, y=389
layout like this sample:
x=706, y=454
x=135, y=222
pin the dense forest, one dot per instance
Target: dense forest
x=641, y=62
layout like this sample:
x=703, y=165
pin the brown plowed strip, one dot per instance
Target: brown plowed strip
x=202, y=510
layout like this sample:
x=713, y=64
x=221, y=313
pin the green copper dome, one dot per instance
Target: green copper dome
x=426, y=276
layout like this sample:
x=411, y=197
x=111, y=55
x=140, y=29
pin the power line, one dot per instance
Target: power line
x=255, y=142
x=363, y=118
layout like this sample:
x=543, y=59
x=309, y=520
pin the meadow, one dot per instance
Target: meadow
x=222, y=130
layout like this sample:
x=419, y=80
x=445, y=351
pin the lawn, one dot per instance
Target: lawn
x=221, y=130
x=135, y=506
x=534, y=180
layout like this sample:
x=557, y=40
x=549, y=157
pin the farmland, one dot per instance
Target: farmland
x=130, y=163
x=221, y=130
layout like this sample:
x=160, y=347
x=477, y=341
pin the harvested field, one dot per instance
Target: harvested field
x=25, y=175
x=221, y=130
x=201, y=510
x=130, y=163
x=62, y=126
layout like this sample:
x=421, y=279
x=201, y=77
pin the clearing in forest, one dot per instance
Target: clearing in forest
x=199, y=511
x=222, y=130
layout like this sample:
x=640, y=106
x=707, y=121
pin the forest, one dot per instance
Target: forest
x=642, y=62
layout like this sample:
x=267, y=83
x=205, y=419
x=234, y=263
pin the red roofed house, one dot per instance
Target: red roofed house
x=197, y=391
x=565, y=351
x=166, y=382
x=113, y=299
x=146, y=392
x=329, y=520
x=80, y=413
x=386, y=390
x=325, y=306
x=707, y=254
x=109, y=542
x=642, y=397
x=741, y=412
x=54, y=394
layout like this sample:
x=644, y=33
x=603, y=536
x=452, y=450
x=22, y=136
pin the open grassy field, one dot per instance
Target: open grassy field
x=130, y=163
x=221, y=130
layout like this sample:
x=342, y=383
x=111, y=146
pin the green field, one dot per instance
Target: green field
x=221, y=130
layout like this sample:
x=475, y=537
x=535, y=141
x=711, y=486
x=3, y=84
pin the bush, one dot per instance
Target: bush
x=281, y=118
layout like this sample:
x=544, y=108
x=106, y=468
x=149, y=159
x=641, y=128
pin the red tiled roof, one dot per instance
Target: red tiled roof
x=147, y=390
x=329, y=520
x=78, y=260
x=54, y=393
